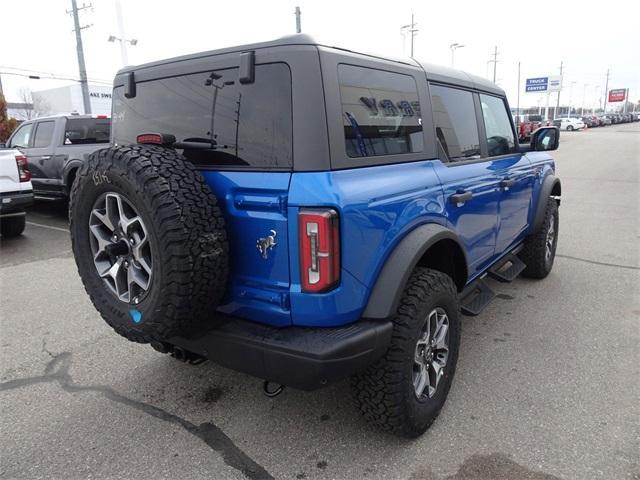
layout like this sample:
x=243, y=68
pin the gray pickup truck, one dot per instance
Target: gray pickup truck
x=56, y=147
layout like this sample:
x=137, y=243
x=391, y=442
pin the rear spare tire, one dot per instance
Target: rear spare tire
x=149, y=241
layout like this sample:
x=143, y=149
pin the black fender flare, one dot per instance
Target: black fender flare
x=386, y=294
x=70, y=166
x=546, y=190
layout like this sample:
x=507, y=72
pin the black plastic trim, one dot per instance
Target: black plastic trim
x=385, y=296
x=303, y=358
x=549, y=182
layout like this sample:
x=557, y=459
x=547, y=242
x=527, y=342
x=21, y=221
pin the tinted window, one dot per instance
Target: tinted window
x=455, y=119
x=215, y=119
x=44, y=132
x=500, y=138
x=22, y=136
x=380, y=112
x=79, y=131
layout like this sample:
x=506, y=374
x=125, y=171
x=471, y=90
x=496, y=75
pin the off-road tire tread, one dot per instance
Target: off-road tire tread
x=378, y=392
x=534, y=249
x=191, y=237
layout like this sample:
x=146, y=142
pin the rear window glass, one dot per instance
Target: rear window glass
x=80, y=131
x=44, y=134
x=214, y=118
x=380, y=112
x=455, y=117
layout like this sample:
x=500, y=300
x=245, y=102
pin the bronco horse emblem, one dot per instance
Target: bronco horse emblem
x=267, y=243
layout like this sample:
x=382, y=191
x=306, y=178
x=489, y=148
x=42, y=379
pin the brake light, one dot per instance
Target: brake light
x=156, y=138
x=149, y=138
x=319, y=233
x=23, y=168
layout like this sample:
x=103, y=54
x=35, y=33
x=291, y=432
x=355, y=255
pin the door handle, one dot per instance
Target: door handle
x=460, y=198
x=45, y=157
x=507, y=183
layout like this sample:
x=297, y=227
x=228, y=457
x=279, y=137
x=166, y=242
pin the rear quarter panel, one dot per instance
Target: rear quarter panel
x=378, y=206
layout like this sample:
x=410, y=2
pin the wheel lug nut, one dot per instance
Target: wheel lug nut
x=114, y=238
x=132, y=241
x=126, y=264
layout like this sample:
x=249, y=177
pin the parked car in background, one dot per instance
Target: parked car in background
x=57, y=146
x=16, y=192
x=588, y=122
x=605, y=120
x=569, y=124
x=526, y=124
x=596, y=120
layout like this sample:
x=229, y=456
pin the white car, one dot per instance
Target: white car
x=16, y=192
x=571, y=124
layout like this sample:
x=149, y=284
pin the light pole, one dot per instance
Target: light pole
x=453, y=48
x=121, y=38
x=596, y=98
x=584, y=94
x=123, y=46
x=570, y=97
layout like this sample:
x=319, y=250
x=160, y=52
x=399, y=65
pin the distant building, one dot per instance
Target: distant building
x=62, y=100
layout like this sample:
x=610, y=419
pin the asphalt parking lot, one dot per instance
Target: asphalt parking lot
x=547, y=384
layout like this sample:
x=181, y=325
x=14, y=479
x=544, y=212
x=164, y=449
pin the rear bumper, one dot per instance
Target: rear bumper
x=301, y=357
x=15, y=202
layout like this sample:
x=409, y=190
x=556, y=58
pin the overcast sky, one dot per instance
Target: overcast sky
x=590, y=37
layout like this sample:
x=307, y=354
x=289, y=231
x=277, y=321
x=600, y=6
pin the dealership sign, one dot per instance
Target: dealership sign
x=552, y=83
x=617, y=95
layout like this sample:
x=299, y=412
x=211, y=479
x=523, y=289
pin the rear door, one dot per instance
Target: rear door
x=239, y=135
x=469, y=181
x=513, y=168
x=44, y=168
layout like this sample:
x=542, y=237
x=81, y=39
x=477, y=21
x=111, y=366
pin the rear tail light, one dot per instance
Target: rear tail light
x=319, y=233
x=156, y=138
x=23, y=168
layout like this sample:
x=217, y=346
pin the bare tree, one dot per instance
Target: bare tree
x=33, y=106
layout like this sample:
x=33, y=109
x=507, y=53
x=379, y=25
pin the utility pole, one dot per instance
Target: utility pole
x=412, y=30
x=518, y=101
x=298, y=23
x=84, y=85
x=555, y=114
x=495, y=62
x=606, y=92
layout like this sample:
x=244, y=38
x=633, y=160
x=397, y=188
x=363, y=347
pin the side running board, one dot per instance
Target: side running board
x=475, y=297
x=508, y=269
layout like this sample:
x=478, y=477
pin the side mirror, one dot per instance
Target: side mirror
x=545, y=139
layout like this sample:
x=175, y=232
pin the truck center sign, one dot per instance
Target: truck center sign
x=617, y=95
x=551, y=83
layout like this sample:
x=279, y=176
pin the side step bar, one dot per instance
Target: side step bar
x=478, y=294
x=507, y=270
x=475, y=297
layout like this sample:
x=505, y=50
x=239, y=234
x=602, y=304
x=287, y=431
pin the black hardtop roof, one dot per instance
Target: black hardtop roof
x=434, y=72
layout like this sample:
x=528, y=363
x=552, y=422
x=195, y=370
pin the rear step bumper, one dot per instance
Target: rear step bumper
x=299, y=357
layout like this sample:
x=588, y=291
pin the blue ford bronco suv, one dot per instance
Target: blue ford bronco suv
x=305, y=213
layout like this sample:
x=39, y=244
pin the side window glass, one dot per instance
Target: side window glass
x=22, y=136
x=455, y=120
x=380, y=112
x=44, y=133
x=500, y=138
